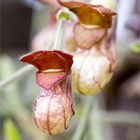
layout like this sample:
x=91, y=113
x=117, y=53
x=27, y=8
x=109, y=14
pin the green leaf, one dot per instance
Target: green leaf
x=136, y=48
x=11, y=132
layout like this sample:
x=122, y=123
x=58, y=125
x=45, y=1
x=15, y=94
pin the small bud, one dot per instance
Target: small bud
x=91, y=71
x=53, y=109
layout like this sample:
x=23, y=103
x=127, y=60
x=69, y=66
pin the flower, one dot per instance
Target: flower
x=95, y=63
x=53, y=109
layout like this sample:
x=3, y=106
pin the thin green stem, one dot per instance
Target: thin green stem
x=58, y=43
x=63, y=16
x=16, y=76
x=79, y=132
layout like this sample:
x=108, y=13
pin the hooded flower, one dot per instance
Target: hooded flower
x=95, y=62
x=53, y=109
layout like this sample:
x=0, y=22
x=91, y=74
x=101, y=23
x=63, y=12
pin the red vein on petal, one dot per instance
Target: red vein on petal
x=70, y=96
x=34, y=114
x=63, y=109
x=48, y=116
x=64, y=115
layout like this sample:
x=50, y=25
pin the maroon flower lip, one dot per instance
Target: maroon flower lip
x=45, y=60
x=53, y=66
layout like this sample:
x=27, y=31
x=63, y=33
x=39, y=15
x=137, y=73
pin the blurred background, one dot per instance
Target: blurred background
x=27, y=25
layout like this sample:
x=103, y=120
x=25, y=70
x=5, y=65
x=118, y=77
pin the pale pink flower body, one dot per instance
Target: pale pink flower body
x=53, y=109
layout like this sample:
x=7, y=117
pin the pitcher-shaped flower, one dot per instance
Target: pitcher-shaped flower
x=53, y=109
x=95, y=63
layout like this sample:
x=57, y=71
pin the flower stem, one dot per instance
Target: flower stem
x=79, y=132
x=63, y=16
x=60, y=35
x=16, y=76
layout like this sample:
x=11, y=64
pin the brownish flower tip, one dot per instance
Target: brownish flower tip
x=88, y=14
x=45, y=60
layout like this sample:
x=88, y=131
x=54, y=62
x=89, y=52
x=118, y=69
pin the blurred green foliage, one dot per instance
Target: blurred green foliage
x=11, y=131
x=136, y=48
